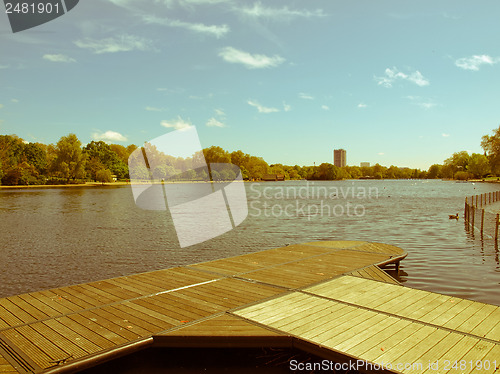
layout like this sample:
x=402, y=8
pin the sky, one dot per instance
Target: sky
x=394, y=82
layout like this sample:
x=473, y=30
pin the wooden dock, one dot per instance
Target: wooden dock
x=327, y=298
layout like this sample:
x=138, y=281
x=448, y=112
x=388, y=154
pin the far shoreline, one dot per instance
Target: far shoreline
x=121, y=184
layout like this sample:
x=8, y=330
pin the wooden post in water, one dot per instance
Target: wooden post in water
x=496, y=228
x=465, y=211
x=482, y=221
x=473, y=215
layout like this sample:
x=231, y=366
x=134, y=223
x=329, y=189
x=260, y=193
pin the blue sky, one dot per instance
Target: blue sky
x=396, y=82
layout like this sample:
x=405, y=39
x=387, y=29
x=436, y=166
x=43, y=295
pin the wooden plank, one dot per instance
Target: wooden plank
x=355, y=327
x=59, y=340
x=35, y=353
x=463, y=316
x=121, y=321
x=487, y=324
x=474, y=321
x=8, y=318
x=80, y=297
x=98, y=329
x=110, y=325
x=283, y=311
x=17, y=311
x=72, y=336
x=59, y=308
x=392, y=341
x=477, y=353
x=437, y=352
x=85, y=332
x=175, y=312
x=344, y=324
x=338, y=317
x=225, y=325
x=375, y=341
x=458, y=306
x=414, y=354
x=455, y=352
x=138, y=319
x=300, y=320
x=254, y=310
x=370, y=331
x=69, y=297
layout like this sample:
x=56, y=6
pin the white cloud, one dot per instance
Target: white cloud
x=177, y=124
x=260, y=11
x=1, y=106
x=215, y=30
x=14, y=100
x=306, y=96
x=212, y=122
x=286, y=107
x=417, y=78
x=445, y=135
x=4, y=66
x=325, y=107
x=220, y=112
x=361, y=105
x=381, y=153
x=422, y=102
x=262, y=109
x=250, y=61
x=123, y=43
x=391, y=75
x=109, y=136
x=58, y=58
x=475, y=62
x=427, y=105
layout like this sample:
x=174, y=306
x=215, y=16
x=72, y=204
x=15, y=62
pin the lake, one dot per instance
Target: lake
x=62, y=236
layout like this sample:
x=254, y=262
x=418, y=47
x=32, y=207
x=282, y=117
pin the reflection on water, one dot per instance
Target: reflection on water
x=57, y=237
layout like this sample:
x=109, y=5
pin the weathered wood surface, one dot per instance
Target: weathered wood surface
x=55, y=328
x=385, y=323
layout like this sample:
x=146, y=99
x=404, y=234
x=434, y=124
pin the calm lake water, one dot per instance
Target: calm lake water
x=63, y=236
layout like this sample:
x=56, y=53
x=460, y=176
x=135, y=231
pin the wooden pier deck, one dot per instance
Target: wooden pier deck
x=328, y=298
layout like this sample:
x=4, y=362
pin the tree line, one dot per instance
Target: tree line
x=68, y=161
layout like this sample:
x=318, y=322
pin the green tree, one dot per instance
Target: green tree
x=491, y=146
x=354, y=171
x=216, y=154
x=239, y=158
x=36, y=155
x=479, y=165
x=11, y=156
x=107, y=157
x=434, y=171
x=1, y=172
x=104, y=176
x=327, y=171
x=458, y=161
x=70, y=158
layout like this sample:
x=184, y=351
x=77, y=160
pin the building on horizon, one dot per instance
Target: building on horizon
x=364, y=164
x=339, y=157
